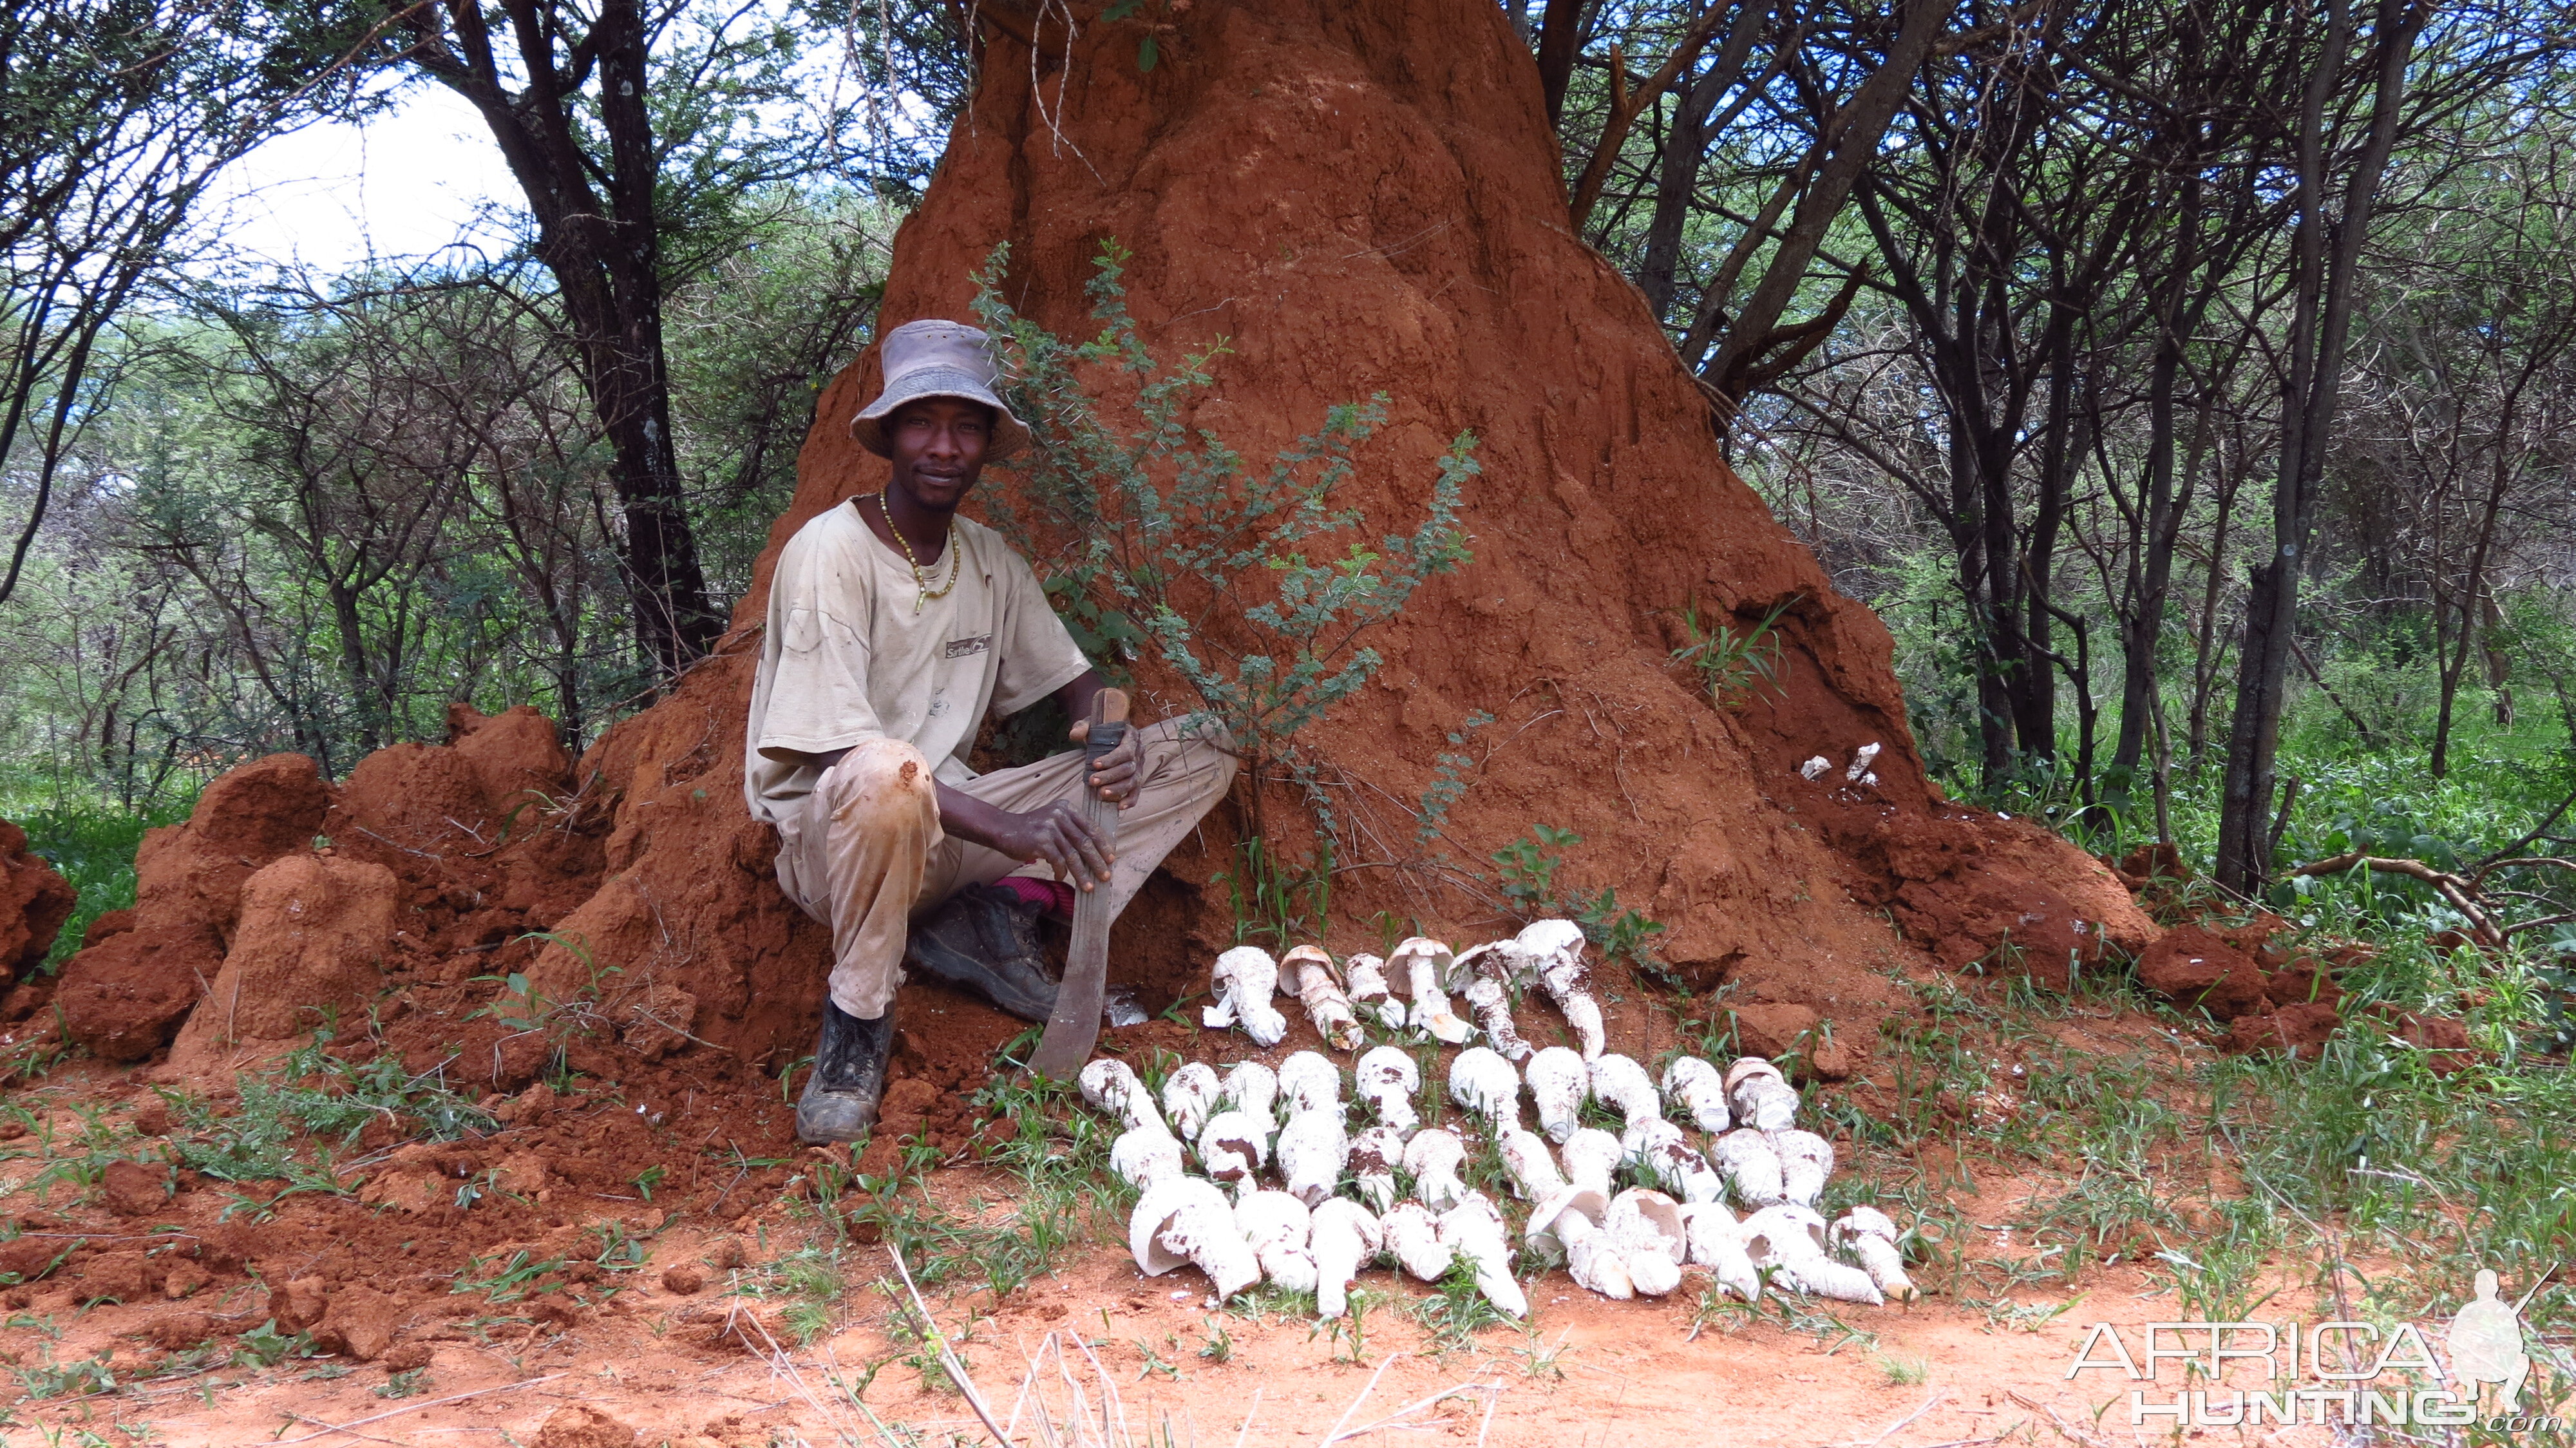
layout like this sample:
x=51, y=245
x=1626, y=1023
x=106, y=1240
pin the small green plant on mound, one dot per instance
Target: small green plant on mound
x=1254, y=586
x=1734, y=665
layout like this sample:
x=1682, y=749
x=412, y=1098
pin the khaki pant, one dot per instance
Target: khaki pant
x=864, y=852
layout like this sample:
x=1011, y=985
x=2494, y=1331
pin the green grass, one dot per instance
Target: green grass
x=93, y=846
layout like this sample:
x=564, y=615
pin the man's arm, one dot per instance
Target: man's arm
x=1057, y=834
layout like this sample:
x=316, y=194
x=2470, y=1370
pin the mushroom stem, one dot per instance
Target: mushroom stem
x=1424, y=962
x=1311, y=1151
x=1413, y=1237
x=1693, y=1087
x=1555, y=949
x=1341, y=1236
x=1432, y=1159
x=1473, y=1232
x=1307, y=973
x=1370, y=993
x=1717, y=1243
x=1559, y=1082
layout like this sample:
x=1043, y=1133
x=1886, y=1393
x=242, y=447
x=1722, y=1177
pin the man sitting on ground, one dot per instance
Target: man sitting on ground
x=894, y=628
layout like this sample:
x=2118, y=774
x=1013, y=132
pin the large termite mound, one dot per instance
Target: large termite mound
x=1364, y=199
x=1358, y=200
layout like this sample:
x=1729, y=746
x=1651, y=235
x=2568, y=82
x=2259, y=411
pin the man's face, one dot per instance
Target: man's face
x=938, y=445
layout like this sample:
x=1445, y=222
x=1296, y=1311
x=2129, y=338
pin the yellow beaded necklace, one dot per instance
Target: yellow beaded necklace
x=921, y=580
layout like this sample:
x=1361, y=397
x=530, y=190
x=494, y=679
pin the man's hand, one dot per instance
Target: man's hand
x=1058, y=835
x=1115, y=775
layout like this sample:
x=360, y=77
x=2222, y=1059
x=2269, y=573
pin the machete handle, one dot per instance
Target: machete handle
x=1108, y=725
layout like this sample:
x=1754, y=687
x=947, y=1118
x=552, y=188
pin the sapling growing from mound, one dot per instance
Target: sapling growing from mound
x=1254, y=586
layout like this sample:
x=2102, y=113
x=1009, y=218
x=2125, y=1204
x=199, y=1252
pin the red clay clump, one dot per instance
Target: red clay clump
x=34, y=903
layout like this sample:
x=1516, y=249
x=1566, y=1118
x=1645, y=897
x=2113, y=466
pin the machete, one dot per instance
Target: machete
x=1075, y=1026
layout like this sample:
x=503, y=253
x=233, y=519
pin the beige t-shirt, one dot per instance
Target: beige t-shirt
x=845, y=658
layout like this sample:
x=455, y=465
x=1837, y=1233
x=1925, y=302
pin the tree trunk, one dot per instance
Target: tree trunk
x=2319, y=326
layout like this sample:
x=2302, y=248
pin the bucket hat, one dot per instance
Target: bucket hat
x=935, y=358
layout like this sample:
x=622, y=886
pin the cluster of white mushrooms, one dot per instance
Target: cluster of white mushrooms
x=1857, y=772
x=1285, y=1192
x=1548, y=953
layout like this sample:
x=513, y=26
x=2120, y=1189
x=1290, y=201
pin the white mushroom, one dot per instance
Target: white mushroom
x=1386, y=1078
x=1276, y=1224
x=1559, y=1081
x=1594, y=1261
x=1312, y=1148
x=1647, y=1228
x=1473, y=1233
x=1623, y=1086
x=1861, y=758
x=1680, y=1169
x=1806, y=1160
x=1412, y=1237
x=1370, y=994
x=1311, y=1082
x=1341, y=1235
x=1554, y=949
x=1110, y=1085
x=1243, y=981
x=1424, y=962
x=1375, y=1154
x=1189, y=1098
x=1790, y=1240
x=1643, y=1140
x=1525, y=1157
x=1486, y=975
x=1251, y=1088
x=1491, y=1004
x=1308, y=974
x=1750, y=1165
x=1186, y=1220
x=1717, y=1243
x=1432, y=1159
x=1548, y=1221
x=1233, y=1146
x=1485, y=1084
x=1144, y=1155
x=1589, y=1156
x=1760, y=1097
x=1693, y=1088
x=1868, y=1235
x=1815, y=767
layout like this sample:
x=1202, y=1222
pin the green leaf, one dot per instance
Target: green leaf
x=1147, y=52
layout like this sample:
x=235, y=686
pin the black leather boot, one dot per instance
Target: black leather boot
x=849, y=1078
x=984, y=941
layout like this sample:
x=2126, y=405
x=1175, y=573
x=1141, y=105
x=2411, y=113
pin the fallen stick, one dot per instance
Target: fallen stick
x=1383, y=1364
x=1414, y=1407
x=947, y=1358
x=414, y=1408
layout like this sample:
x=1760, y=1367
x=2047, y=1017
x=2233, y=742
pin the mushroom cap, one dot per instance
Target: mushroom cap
x=1483, y=1082
x=1781, y=1232
x=1250, y=1087
x=1806, y=1146
x=1525, y=1155
x=1863, y=1222
x=1155, y=1210
x=1378, y=1150
x=1497, y=960
x=1144, y=1155
x=1645, y=1138
x=1639, y=1218
x=1269, y=1218
x=1748, y=1066
x=1384, y=1068
x=1765, y=1103
x=1341, y=1214
x=1300, y=959
x=1244, y=963
x=1688, y=1069
x=1189, y=1094
x=1108, y=1082
x=1434, y=1152
x=1549, y=937
x=1622, y=1083
x=1544, y=1233
x=1310, y=1081
x=1233, y=1134
x=1419, y=950
x=1590, y=1154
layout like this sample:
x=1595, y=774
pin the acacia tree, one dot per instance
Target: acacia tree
x=116, y=116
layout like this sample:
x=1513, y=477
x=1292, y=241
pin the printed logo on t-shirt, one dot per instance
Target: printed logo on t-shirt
x=960, y=648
